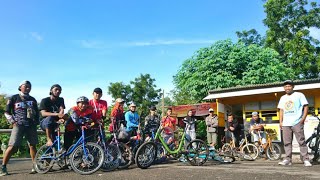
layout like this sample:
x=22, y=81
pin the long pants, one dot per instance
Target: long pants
x=298, y=131
x=212, y=137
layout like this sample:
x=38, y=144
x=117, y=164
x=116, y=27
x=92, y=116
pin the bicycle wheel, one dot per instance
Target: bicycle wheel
x=161, y=154
x=274, y=152
x=249, y=151
x=44, y=159
x=314, y=145
x=112, y=157
x=146, y=154
x=87, y=160
x=226, y=147
x=126, y=156
x=197, y=152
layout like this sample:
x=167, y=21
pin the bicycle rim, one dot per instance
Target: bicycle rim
x=87, y=160
x=44, y=159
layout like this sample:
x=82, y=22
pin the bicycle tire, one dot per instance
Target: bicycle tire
x=274, y=152
x=315, y=147
x=81, y=163
x=112, y=157
x=197, y=150
x=226, y=147
x=146, y=155
x=126, y=156
x=250, y=152
x=42, y=163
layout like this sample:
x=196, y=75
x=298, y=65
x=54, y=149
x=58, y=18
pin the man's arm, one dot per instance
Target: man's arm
x=305, y=113
x=280, y=118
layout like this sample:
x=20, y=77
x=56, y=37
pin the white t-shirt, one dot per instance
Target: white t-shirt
x=292, y=106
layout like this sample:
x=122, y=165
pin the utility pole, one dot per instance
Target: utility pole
x=162, y=103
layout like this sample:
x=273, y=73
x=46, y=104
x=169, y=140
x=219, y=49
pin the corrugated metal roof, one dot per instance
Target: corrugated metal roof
x=259, y=86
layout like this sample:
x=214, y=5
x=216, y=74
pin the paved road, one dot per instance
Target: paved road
x=259, y=169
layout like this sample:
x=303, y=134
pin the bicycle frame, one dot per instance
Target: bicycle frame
x=164, y=144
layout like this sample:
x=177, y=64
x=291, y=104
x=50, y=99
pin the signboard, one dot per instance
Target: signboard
x=198, y=109
x=309, y=125
x=275, y=127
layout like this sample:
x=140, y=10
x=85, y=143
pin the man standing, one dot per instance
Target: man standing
x=212, y=125
x=100, y=107
x=293, y=108
x=22, y=112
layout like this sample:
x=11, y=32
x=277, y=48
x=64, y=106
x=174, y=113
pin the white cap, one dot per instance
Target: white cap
x=254, y=113
x=132, y=105
x=211, y=109
x=119, y=100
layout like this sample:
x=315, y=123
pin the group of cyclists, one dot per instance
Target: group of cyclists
x=23, y=113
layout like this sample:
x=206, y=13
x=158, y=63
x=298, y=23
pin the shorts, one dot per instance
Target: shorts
x=18, y=132
x=49, y=123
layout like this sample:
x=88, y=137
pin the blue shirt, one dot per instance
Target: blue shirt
x=292, y=106
x=132, y=119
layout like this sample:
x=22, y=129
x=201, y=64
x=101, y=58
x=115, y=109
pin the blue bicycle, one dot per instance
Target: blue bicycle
x=84, y=157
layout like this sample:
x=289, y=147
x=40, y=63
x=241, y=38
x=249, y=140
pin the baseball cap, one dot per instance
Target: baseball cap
x=254, y=113
x=24, y=82
x=97, y=90
x=211, y=110
x=153, y=108
x=286, y=82
x=132, y=105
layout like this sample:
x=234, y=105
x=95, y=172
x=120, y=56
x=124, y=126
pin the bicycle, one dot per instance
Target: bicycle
x=272, y=150
x=112, y=152
x=161, y=152
x=85, y=157
x=196, y=151
x=126, y=153
x=313, y=142
x=246, y=150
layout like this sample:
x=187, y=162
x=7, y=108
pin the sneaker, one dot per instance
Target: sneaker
x=211, y=148
x=4, y=172
x=307, y=163
x=285, y=163
x=33, y=171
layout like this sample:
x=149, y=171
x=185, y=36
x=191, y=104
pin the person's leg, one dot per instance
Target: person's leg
x=214, y=137
x=14, y=142
x=32, y=138
x=209, y=138
x=68, y=139
x=287, y=141
x=298, y=131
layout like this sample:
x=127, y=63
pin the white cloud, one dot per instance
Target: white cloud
x=92, y=44
x=99, y=44
x=170, y=42
x=315, y=32
x=36, y=36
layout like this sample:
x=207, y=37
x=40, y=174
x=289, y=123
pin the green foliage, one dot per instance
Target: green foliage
x=201, y=130
x=226, y=64
x=250, y=37
x=3, y=102
x=289, y=22
x=142, y=91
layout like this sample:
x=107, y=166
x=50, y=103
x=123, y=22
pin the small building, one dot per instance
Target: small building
x=264, y=98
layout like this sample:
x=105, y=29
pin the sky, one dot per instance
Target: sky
x=86, y=44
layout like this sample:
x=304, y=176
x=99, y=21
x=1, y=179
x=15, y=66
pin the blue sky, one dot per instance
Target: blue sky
x=86, y=44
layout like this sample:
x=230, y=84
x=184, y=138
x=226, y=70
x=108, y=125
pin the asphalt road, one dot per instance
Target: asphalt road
x=257, y=170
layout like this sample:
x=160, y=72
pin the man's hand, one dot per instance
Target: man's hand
x=60, y=121
x=225, y=129
x=232, y=128
x=280, y=124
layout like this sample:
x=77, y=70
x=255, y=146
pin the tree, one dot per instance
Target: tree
x=225, y=64
x=250, y=37
x=3, y=102
x=289, y=22
x=142, y=91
